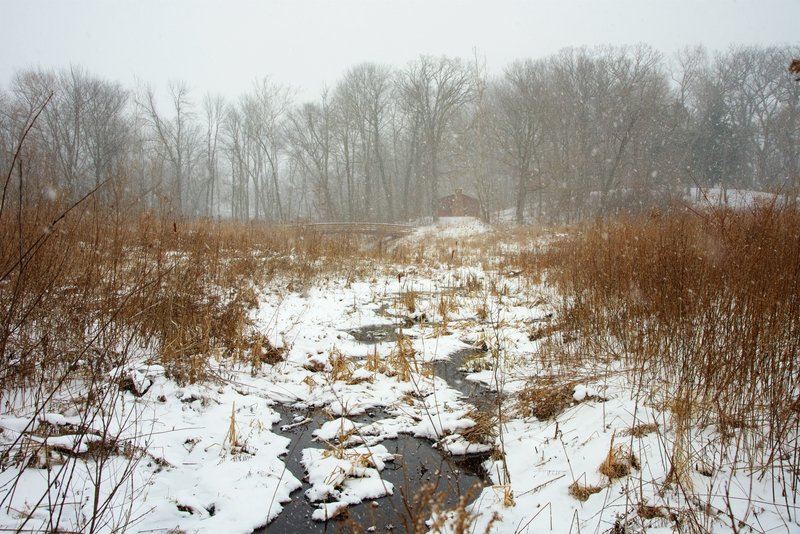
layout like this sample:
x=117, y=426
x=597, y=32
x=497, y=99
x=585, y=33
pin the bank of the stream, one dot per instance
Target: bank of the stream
x=418, y=465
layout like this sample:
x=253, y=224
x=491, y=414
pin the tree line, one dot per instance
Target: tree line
x=584, y=132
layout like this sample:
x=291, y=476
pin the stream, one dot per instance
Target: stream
x=416, y=463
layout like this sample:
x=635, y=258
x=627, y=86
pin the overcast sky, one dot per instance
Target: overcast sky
x=223, y=46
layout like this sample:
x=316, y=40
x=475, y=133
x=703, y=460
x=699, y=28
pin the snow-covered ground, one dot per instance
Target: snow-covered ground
x=733, y=198
x=210, y=457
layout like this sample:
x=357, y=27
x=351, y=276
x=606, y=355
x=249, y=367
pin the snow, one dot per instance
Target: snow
x=733, y=198
x=15, y=424
x=334, y=430
x=75, y=443
x=189, y=467
x=212, y=457
x=453, y=228
x=582, y=392
x=349, y=476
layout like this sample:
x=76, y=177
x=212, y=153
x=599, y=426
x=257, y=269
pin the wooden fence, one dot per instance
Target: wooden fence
x=376, y=229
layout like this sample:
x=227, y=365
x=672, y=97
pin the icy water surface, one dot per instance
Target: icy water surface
x=374, y=333
x=416, y=464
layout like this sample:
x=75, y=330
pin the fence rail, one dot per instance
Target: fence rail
x=378, y=229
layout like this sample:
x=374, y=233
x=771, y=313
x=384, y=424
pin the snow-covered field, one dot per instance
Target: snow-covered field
x=211, y=457
x=734, y=198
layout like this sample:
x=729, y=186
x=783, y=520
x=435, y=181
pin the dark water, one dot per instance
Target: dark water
x=416, y=465
x=374, y=333
x=474, y=393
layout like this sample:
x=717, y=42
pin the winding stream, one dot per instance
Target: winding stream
x=417, y=463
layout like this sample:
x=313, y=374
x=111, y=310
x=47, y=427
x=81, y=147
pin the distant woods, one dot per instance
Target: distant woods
x=584, y=132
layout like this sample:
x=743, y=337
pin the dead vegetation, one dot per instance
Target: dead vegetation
x=708, y=298
x=184, y=288
x=546, y=397
x=641, y=430
x=485, y=428
x=619, y=461
x=428, y=502
x=402, y=360
x=582, y=492
x=86, y=291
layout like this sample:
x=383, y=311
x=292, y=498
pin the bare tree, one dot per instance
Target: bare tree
x=260, y=147
x=590, y=131
x=234, y=147
x=82, y=132
x=309, y=135
x=519, y=125
x=106, y=130
x=214, y=110
x=364, y=97
x=789, y=127
x=175, y=139
x=59, y=129
x=477, y=143
x=435, y=90
x=406, y=135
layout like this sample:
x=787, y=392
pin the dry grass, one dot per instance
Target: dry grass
x=477, y=361
x=86, y=289
x=641, y=430
x=373, y=363
x=582, y=492
x=341, y=367
x=263, y=351
x=183, y=288
x=705, y=307
x=652, y=512
x=615, y=466
x=408, y=300
x=699, y=306
x=445, y=306
x=425, y=511
x=402, y=360
x=485, y=428
x=618, y=462
x=545, y=398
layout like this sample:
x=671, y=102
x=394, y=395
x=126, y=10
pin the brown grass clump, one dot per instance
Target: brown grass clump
x=614, y=466
x=582, y=492
x=619, y=462
x=652, y=512
x=402, y=360
x=708, y=298
x=263, y=351
x=641, y=430
x=341, y=366
x=425, y=511
x=545, y=398
x=445, y=307
x=485, y=428
x=472, y=284
x=543, y=330
x=408, y=300
x=373, y=363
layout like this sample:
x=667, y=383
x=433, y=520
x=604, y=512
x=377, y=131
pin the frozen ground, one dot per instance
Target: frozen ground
x=211, y=457
x=734, y=198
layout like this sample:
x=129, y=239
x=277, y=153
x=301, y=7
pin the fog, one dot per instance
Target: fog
x=222, y=47
x=354, y=111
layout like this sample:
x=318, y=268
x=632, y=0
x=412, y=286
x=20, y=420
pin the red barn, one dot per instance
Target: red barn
x=459, y=205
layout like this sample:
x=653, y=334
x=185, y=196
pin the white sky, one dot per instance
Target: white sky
x=223, y=46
